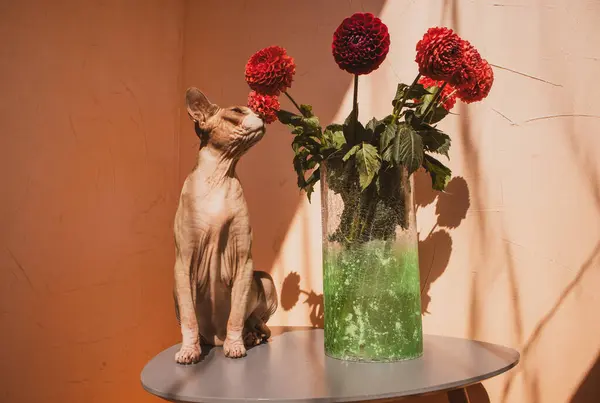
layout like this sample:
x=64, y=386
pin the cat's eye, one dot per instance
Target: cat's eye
x=237, y=110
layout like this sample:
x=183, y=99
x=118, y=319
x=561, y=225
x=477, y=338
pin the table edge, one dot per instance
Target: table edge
x=326, y=399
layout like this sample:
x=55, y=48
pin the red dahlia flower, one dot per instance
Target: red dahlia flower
x=360, y=43
x=448, y=95
x=265, y=106
x=481, y=84
x=439, y=53
x=466, y=74
x=270, y=71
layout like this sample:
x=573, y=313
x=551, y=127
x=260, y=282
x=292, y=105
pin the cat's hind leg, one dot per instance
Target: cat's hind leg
x=263, y=306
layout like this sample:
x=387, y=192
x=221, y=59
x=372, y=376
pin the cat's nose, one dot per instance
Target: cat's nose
x=252, y=122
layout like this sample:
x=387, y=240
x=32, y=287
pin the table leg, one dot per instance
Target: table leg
x=458, y=396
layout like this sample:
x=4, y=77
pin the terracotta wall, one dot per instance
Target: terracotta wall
x=95, y=147
x=89, y=152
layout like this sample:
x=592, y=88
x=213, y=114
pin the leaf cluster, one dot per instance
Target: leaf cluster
x=407, y=138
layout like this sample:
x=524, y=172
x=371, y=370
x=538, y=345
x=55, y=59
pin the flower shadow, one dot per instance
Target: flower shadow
x=290, y=296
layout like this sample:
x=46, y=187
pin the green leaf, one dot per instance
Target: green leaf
x=351, y=152
x=299, y=124
x=374, y=129
x=332, y=140
x=309, y=142
x=287, y=117
x=411, y=148
x=392, y=153
x=435, y=140
x=335, y=127
x=299, y=168
x=368, y=163
x=426, y=100
x=440, y=174
x=388, y=134
x=439, y=113
x=304, y=161
x=352, y=117
x=388, y=119
x=311, y=181
x=406, y=148
x=297, y=130
x=310, y=163
x=416, y=92
x=352, y=128
x=372, y=125
x=338, y=139
x=311, y=123
x=400, y=91
x=307, y=110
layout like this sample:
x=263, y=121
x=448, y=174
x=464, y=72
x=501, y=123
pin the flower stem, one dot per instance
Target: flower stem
x=405, y=98
x=434, y=101
x=355, y=108
x=294, y=102
x=441, y=101
x=355, y=98
x=449, y=95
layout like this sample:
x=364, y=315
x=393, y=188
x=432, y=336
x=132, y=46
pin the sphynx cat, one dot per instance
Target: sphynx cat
x=219, y=299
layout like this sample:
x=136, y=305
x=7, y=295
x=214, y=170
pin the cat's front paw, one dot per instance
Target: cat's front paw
x=188, y=354
x=234, y=348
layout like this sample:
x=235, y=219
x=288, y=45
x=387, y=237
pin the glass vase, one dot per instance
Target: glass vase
x=370, y=265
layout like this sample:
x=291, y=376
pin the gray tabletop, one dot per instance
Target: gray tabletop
x=293, y=368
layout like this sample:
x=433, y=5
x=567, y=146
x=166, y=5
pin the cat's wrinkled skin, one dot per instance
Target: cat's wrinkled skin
x=219, y=298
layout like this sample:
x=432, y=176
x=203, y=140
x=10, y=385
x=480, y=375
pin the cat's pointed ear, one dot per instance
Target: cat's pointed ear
x=199, y=108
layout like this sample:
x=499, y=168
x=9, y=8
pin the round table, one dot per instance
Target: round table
x=292, y=367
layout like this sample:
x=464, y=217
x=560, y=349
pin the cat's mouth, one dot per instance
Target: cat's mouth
x=253, y=125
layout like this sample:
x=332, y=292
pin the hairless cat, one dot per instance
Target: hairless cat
x=219, y=298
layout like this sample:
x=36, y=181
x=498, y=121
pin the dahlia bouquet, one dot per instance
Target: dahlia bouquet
x=372, y=301
x=449, y=68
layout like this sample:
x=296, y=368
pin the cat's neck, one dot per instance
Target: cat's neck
x=215, y=167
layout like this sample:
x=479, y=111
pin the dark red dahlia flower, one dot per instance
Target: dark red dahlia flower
x=466, y=74
x=480, y=86
x=448, y=95
x=270, y=71
x=439, y=53
x=265, y=106
x=360, y=43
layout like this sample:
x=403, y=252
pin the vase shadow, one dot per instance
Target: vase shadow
x=434, y=255
x=435, y=249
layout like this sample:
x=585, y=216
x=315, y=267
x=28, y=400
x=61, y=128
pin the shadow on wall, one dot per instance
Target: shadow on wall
x=435, y=249
x=290, y=295
x=589, y=390
x=530, y=376
x=219, y=41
